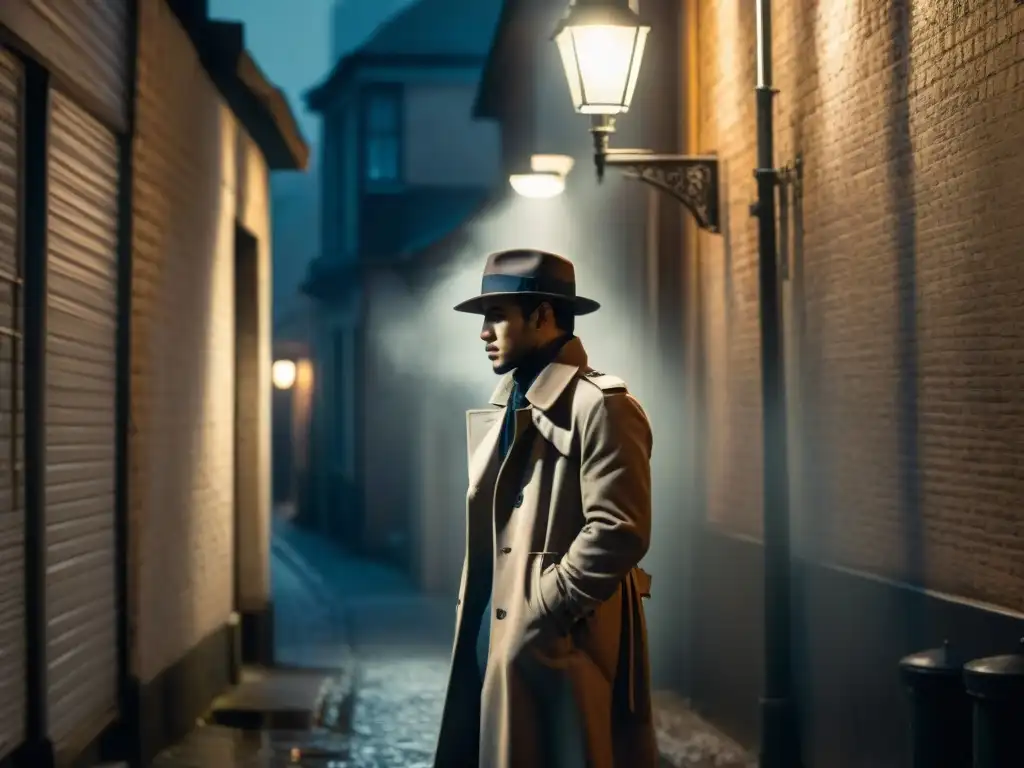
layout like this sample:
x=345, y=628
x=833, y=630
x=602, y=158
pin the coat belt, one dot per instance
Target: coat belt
x=636, y=586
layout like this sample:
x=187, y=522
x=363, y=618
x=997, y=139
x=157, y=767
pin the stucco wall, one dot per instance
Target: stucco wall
x=194, y=172
x=902, y=303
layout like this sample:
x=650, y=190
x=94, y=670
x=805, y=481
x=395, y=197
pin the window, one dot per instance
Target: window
x=382, y=146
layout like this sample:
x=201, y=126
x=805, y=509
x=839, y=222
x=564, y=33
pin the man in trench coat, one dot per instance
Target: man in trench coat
x=549, y=665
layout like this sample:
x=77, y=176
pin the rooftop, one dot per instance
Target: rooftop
x=450, y=31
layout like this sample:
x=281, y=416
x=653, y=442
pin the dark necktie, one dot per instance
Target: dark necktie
x=516, y=400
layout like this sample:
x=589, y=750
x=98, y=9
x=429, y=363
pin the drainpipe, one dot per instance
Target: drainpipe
x=38, y=750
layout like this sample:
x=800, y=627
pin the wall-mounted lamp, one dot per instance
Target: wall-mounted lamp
x=283, y=374
x=545, y=179
x=602, y=44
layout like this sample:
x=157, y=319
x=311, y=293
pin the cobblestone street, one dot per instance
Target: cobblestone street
x=336, y=610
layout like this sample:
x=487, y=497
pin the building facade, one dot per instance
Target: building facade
x=404, y=163
x=133, y=167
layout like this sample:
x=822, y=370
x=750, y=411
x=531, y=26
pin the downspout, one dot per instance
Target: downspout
x=38, y=750
x=124, y=742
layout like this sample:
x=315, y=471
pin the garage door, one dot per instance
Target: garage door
x=12, y=520
x=80, y=425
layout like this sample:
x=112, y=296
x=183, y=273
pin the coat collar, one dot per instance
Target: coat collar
x=551, y=381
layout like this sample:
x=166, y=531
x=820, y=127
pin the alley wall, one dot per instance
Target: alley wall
x=902, y=289
x=910, y=120
x=196, y=173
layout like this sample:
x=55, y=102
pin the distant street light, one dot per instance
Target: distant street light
x=283, y=374
x=602, y=44
x=545, y=178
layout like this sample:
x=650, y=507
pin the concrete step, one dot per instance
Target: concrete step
x=219, y=747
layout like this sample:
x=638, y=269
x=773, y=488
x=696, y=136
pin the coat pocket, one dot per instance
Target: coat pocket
x=541, y=629
x=538, y=563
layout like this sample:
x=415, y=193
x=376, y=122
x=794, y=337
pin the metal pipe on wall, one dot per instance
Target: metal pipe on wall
x=35, y=127
x=780, y=745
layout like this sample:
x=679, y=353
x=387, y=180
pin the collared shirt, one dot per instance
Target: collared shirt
x=522, y=380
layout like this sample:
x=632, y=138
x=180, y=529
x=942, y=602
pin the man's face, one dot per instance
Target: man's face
x=508, y=334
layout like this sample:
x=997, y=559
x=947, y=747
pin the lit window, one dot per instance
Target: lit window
x=383, y=135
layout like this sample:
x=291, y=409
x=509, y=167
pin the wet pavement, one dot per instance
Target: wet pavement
x=401, y=640
x=334, y=610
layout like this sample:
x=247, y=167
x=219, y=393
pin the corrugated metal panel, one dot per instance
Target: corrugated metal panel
x=12, y=516
x=80, y=423
x=84, y=41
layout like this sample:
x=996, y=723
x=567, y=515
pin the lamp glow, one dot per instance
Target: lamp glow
x=537, y=185
x=602, y=44
x=283, y=374
x=545, y=179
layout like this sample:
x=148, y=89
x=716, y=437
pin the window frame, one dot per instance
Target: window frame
x=393, y=93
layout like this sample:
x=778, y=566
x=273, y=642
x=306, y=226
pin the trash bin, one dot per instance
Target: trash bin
x=940, y=715
x=996, y=685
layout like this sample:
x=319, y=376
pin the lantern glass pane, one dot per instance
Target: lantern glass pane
x=567, y=51
x=634, y=74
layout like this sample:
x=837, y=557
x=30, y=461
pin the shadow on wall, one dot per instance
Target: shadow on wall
x=438, y=356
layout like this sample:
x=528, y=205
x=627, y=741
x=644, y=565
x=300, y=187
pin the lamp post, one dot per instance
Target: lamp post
x=602, y=44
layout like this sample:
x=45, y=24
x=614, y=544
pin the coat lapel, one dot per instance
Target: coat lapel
x=483, y=449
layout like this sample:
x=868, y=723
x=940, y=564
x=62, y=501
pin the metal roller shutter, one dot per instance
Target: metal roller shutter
x=80, y=424
x=12, y=520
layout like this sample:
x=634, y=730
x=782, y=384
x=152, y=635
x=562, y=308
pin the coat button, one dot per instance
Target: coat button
x=506, y=550
x=500, y=613
x=519, y=500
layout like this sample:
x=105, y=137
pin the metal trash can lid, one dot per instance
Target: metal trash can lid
x=935, y=662
x=996, y=677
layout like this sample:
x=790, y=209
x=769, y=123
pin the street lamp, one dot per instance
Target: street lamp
x=602, y=78
x=601, y=43
x=283, y=374
x=545, y=177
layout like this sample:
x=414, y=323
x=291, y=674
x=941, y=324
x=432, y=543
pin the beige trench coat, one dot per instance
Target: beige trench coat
x=568, y=681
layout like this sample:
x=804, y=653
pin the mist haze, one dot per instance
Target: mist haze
x=431, y=358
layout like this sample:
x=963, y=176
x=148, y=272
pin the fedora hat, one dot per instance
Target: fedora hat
x=529, y=273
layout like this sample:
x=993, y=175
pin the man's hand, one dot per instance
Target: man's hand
x=615, y=485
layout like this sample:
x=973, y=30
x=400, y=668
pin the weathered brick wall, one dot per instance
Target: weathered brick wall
x=904, y=307
x=189, y=162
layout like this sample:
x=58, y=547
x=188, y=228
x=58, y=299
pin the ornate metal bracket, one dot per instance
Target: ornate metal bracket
x=692, y=180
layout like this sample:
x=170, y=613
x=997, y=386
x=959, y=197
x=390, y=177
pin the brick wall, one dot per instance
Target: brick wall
x=904, y=312
x=189, y=162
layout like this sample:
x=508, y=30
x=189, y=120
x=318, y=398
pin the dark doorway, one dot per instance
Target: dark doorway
x=255, y=640
x=282, y=448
